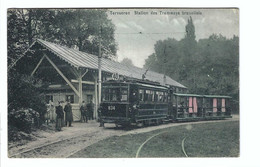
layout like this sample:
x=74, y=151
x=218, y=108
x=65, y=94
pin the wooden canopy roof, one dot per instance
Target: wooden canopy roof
x=79, y=59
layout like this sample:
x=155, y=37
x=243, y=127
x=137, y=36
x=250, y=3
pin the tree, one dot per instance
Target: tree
x=190, y=30
x=83, y=28
x=24, y=26
x=68, y=27
x=209, y=66
x=127, y=61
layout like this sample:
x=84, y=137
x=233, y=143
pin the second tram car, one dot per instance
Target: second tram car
x=126, y=102
x=200, y=107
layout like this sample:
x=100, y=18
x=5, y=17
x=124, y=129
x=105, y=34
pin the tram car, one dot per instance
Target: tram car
x=126, y=102
x=199, y=107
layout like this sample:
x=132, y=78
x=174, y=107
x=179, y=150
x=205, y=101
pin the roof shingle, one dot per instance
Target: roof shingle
x=81, y=59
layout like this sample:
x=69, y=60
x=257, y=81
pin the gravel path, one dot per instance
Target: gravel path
x=73, y=139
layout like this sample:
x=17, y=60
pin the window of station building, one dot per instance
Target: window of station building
x=89, y=98
x=48, y=98
x=70, y=98
x=141, y=94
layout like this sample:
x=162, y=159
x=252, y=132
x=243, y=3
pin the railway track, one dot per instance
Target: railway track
x=67, y=147
x=55, y=146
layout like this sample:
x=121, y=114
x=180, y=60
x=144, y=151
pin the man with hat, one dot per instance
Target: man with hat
x=68, y=114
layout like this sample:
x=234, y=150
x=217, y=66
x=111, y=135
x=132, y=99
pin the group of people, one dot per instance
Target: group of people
x=60, y=116
x=49, y=115
x=86, y=114
x=86, y=111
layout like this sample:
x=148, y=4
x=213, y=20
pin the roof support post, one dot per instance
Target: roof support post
x=96, y=98
x=62, y=75
x=37, y=66
x=80, y=87
x=99, y=68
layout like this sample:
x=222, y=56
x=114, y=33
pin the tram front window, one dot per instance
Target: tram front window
x=115, y=94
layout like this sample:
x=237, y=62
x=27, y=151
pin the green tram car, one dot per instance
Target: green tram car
x=126, y=102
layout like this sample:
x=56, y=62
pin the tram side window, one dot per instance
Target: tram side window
x=199, y=102
x=165, y=97
x=219, y=104
x=152, y=95
x=147, y=95
x=124, y=95
x=141, y=95
x=156, y=96
x=182, y=101
x=174, y=100
x=160, y=96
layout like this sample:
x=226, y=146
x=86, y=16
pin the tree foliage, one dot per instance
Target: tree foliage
x=83, y=28
x=207, y=66
x=69, y=27
x=127, y=61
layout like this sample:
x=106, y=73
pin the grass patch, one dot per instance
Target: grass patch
x=220, y=139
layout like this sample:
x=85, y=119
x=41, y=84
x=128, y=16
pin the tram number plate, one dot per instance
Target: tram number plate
x=111, y=107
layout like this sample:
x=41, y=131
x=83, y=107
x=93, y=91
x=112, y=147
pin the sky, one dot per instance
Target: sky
x=137, y=30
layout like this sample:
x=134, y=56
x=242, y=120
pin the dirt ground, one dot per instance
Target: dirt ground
x=52, y=144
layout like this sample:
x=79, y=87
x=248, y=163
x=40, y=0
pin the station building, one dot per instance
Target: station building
x=70, y=74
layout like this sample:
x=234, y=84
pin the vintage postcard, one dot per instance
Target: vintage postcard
x=123, y=82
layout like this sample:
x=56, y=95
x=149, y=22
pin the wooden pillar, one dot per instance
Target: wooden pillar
x=99, y=68
x=80, y=88
x=96, y=100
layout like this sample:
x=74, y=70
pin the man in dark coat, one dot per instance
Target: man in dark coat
x=91, y=110
x=68, y=114
x=83, y=110
x=60, y=115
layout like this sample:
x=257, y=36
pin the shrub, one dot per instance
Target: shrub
x=23, y=119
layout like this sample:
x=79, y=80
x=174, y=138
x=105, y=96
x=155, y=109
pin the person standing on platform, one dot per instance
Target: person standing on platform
x=68, y=114
x=91, y=109
x=83, y=110
x=59, y=117
x=47, y=114
x=51, y=109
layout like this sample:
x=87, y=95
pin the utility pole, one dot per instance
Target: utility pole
x=164, y=65
x=99, y=68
